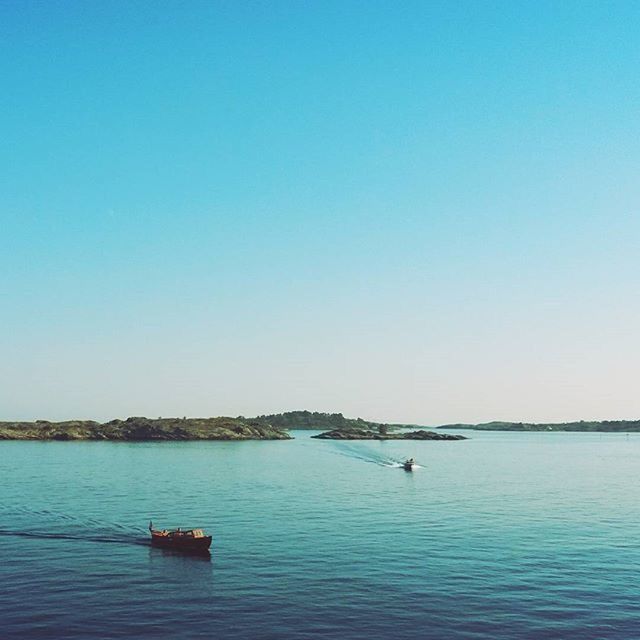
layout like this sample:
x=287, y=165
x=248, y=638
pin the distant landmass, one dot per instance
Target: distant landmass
x=264, y=427
x=320, y=421
x=369, y=434
x=273, y=427
x=612, y=426
x=143, y=429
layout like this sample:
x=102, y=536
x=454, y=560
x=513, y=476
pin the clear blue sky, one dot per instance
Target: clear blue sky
x=420, y=211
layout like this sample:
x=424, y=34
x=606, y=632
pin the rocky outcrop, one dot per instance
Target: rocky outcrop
x=142, y=429
x=367, y=434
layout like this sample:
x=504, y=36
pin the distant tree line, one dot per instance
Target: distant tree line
x=316, y=420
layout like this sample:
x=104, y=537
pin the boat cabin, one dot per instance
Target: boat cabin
x=189, y=533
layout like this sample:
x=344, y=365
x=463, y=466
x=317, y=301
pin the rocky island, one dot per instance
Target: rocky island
x=143, y=429
x=369, y=434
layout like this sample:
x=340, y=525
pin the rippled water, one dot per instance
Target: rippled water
x=500, y=536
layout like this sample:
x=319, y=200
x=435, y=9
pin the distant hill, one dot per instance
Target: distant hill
x=322, y=421
x=611, y=426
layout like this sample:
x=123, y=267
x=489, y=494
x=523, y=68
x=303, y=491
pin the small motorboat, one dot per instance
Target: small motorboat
x=180, y=539
x=408, y=464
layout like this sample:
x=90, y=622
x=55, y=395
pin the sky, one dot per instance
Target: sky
x=422, y=212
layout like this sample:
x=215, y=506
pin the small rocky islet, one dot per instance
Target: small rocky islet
x=368, y=434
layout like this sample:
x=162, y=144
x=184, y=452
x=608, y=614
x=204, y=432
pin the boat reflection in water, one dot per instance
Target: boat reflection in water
x=187, y=540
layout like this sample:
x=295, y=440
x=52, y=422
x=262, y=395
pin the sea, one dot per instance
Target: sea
x=503, y=535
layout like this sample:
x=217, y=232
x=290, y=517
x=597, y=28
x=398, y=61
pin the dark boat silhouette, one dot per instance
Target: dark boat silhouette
x=408, y=464
x=179, y=539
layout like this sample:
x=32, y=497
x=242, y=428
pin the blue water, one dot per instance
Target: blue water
x=500, y=536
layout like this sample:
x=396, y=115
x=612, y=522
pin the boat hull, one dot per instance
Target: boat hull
x=182, y=543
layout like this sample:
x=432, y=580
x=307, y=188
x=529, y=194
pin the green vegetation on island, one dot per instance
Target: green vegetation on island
x=142, y=429
x=608, y=426
x=321, y=421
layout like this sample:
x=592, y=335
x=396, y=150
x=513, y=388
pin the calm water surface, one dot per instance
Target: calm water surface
x=500, y=536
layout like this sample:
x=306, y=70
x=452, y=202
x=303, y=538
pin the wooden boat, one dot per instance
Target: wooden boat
x=408, y=464
x=179, y=539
